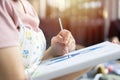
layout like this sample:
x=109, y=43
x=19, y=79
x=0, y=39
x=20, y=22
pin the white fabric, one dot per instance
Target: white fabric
x=33, y=45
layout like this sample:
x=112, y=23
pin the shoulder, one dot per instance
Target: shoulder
x=7, y=8
x=5, y=2
x=6, y=11
x=6, y=5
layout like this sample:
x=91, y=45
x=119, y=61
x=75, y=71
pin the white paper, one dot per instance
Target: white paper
x=77, y=60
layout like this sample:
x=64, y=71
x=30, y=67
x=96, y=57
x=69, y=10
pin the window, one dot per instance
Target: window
x=83, y=9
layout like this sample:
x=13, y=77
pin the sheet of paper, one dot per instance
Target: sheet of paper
x=77, y=60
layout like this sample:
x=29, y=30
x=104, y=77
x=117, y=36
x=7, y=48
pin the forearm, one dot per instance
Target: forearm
x=11, y=65
x=48, y=54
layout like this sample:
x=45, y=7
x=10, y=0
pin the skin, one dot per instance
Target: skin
x=60, y=42
x=115, y=40
x=10, y=61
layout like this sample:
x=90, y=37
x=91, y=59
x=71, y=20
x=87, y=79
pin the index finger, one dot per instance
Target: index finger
x=65, y=34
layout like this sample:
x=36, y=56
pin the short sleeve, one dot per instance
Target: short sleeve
x=8, y=29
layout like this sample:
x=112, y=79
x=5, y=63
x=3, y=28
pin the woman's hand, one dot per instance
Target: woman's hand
x=115, y=40
x=62, y=42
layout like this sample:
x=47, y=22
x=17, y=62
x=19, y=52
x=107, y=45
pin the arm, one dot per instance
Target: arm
x=48, y=54
x=11, y=66
x=59, y=43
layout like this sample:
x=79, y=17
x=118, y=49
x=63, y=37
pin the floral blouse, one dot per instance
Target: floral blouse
x=33, y=45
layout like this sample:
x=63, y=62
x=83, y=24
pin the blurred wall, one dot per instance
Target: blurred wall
x=36, y=5
x=86, y=31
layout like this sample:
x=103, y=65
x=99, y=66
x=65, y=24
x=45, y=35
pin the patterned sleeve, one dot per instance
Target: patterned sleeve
x=8, y=29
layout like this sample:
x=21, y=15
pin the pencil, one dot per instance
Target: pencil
x=60, y=22
x=61, y=27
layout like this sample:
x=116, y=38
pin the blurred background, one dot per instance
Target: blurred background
x=90, y=21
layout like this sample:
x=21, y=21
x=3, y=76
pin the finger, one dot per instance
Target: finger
x=58, y=40
x=65, y=35
x=71, y=44
x=71, y=40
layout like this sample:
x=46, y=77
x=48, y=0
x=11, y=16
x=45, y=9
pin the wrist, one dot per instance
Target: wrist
x=52, y=52
x=48, y=54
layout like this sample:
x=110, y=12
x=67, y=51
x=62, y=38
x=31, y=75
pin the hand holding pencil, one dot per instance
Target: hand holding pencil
x=60, y=22
x=63, y=42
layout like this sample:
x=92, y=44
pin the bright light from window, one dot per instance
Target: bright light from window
x=60, y=4
x=105, y=14
x=93, y=4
